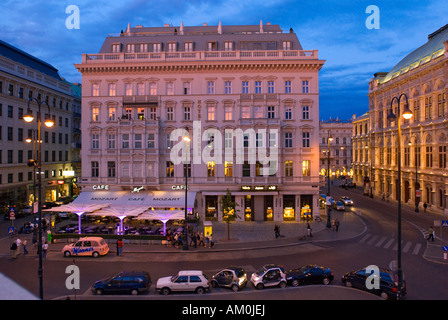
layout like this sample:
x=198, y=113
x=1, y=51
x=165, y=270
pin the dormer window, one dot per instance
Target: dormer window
x=130, y=48
x=228, y=46
x=286, y=45
x=172, y=47
x=116, y=48
x=188, y=46
x=212, y=46
x=156, y=47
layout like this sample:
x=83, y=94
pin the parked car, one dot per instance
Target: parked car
x=126, y=282
x=346, y=201
x=388, y=287
x=269, y=275
x=88, y=246
x=234, y=278
x=338, y=205
x=310, y=274
x=189, y=280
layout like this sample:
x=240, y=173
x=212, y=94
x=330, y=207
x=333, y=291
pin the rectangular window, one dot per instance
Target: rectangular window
x=211, y=113
x=156, y=47
x=172, y=47
x=138, y=143
x=429, y=157
x=306, y=168
x=151, y=141
x=228, y=87
x=428, y=107
x=288, y=168
x=112, y=89
x=245, y=112
x=210, y=87
x=258, y=112
x=95, y=169
x=228, y=168
x=288, y=139
x=125, y=141
x=271, y=112
x=95, y=141
x=112, y=114
x=140, y=89
x=188, y=46
x=187, y=87
x=187, y=113
x=442, y=157
x=270, y=86
x=287, y=86
x=95, y=114
x=246, y=169
x=152, y=113
x=128, y=89
x=288, y=113
x=257, y=86
x=111, y=140
x=130, y=48
x=245, y=87
x=111, y=169
x=153, y=88
x=305, y=86
x=305, y=139
x=210, y=168
x=169, y=113
x=169, y=169
x=228, y=46
x=170, y=88
x=305, y=112
x=286, y=45
x=95, y=89
x=227, y=112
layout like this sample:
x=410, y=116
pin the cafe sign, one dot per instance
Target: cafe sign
x=259, y=188
x=100, y=187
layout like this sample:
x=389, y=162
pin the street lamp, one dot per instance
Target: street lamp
x=187, y=140
x=407, y=114
x=28, y=117
x=328, y=180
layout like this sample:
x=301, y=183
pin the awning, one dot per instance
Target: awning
x=162, y=215
x=119, y=211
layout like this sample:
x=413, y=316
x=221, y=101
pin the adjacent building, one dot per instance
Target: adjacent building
x=23, y=76
x=235, y=91
x=422, y=76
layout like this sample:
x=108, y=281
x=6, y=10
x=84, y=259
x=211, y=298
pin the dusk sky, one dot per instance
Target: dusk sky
x=353, y=53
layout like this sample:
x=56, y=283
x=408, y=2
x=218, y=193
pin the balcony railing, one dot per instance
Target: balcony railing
x=200, y=56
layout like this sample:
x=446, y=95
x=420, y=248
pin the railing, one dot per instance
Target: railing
x=201, y=56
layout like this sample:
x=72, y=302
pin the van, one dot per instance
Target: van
x=125, y=282
x=88, y=246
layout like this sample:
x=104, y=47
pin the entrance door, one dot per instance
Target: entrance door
x=268, y=208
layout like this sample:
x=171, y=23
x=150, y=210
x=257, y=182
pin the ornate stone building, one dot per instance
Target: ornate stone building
x=147, y=82
x=423, y=77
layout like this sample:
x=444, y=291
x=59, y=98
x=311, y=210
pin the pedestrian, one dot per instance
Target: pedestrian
x=120, y=245
x=44, y=249
x=201, y=239
x=19, y=244
x=333, y=226
x=277, y=231
x=24, y=244
x=211, y=241
x=194, y=236
x=207, y=241
x=425, y=205
x=431, y=234
x=336, y=223
x=308, y=228
x=14, y=249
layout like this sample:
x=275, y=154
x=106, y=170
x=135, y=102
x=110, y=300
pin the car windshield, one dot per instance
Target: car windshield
x=260, y=271
x=241, y=273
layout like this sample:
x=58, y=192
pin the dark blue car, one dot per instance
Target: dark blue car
x=126, y=282
x=309, y=274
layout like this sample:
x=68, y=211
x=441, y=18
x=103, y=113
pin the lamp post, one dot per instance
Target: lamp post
x=328, y=180
x=187, y=152
x=28, y=117
x=32, y=163
x=407, y=114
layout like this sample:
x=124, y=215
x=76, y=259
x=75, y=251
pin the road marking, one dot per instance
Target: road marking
x=371, y=241
x=379, y=243
x=365, y=238
x=407, y=247
x=417, y=248
x=388, y=244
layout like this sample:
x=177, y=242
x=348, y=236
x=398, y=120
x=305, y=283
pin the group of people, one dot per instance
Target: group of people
x=197, y=238
x=18, y=245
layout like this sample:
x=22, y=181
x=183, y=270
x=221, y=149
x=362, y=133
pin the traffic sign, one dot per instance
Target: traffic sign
x=444, y=223
x=445, y=248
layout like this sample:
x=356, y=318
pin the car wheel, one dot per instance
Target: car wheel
x=99, y=292
x=295, y=283
x=200, y=290
x=214, y=284
x=95, y=254
x=234, y=288
x=67, y=254
x=282, y=284
x=134, y=292
x=384, y=295
x=326, y=281
x=260, y=286
x=348, y=284
x=165, y=291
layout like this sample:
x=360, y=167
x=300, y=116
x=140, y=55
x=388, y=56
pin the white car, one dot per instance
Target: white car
x=190, y=280
x=347, y=201
x=269, y=275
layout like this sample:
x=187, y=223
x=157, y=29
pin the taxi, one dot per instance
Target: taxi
x=88, y=246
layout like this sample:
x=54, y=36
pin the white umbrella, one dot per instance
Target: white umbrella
x=120, y=212
x=163, y=215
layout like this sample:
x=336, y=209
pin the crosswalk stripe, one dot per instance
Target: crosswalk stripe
x=388, y=244
x=371, y=241
x=417, y=248
x=365, y=238
x=379, y=243
x=407, y=247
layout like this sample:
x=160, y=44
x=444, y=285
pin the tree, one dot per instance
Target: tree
x=228, y=210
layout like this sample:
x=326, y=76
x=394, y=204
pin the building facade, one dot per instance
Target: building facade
x=363, y=161
x=23, y=76
x=422, y=76
x=339, y=158
x=234, y=90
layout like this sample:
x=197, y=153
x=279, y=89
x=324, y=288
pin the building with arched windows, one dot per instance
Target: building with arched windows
x=423, y=77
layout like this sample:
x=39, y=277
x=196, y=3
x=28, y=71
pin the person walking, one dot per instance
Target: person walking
x=207, y=241
x=431, y=234
x=44, y=249
x=24, y=244
x=19, y=244
x=201, y=239
x=120, y=245
x=277, y=231
x=308, y=228
x=336, y=224
x=211, y=241
x=14, y=249
x=425, y=205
